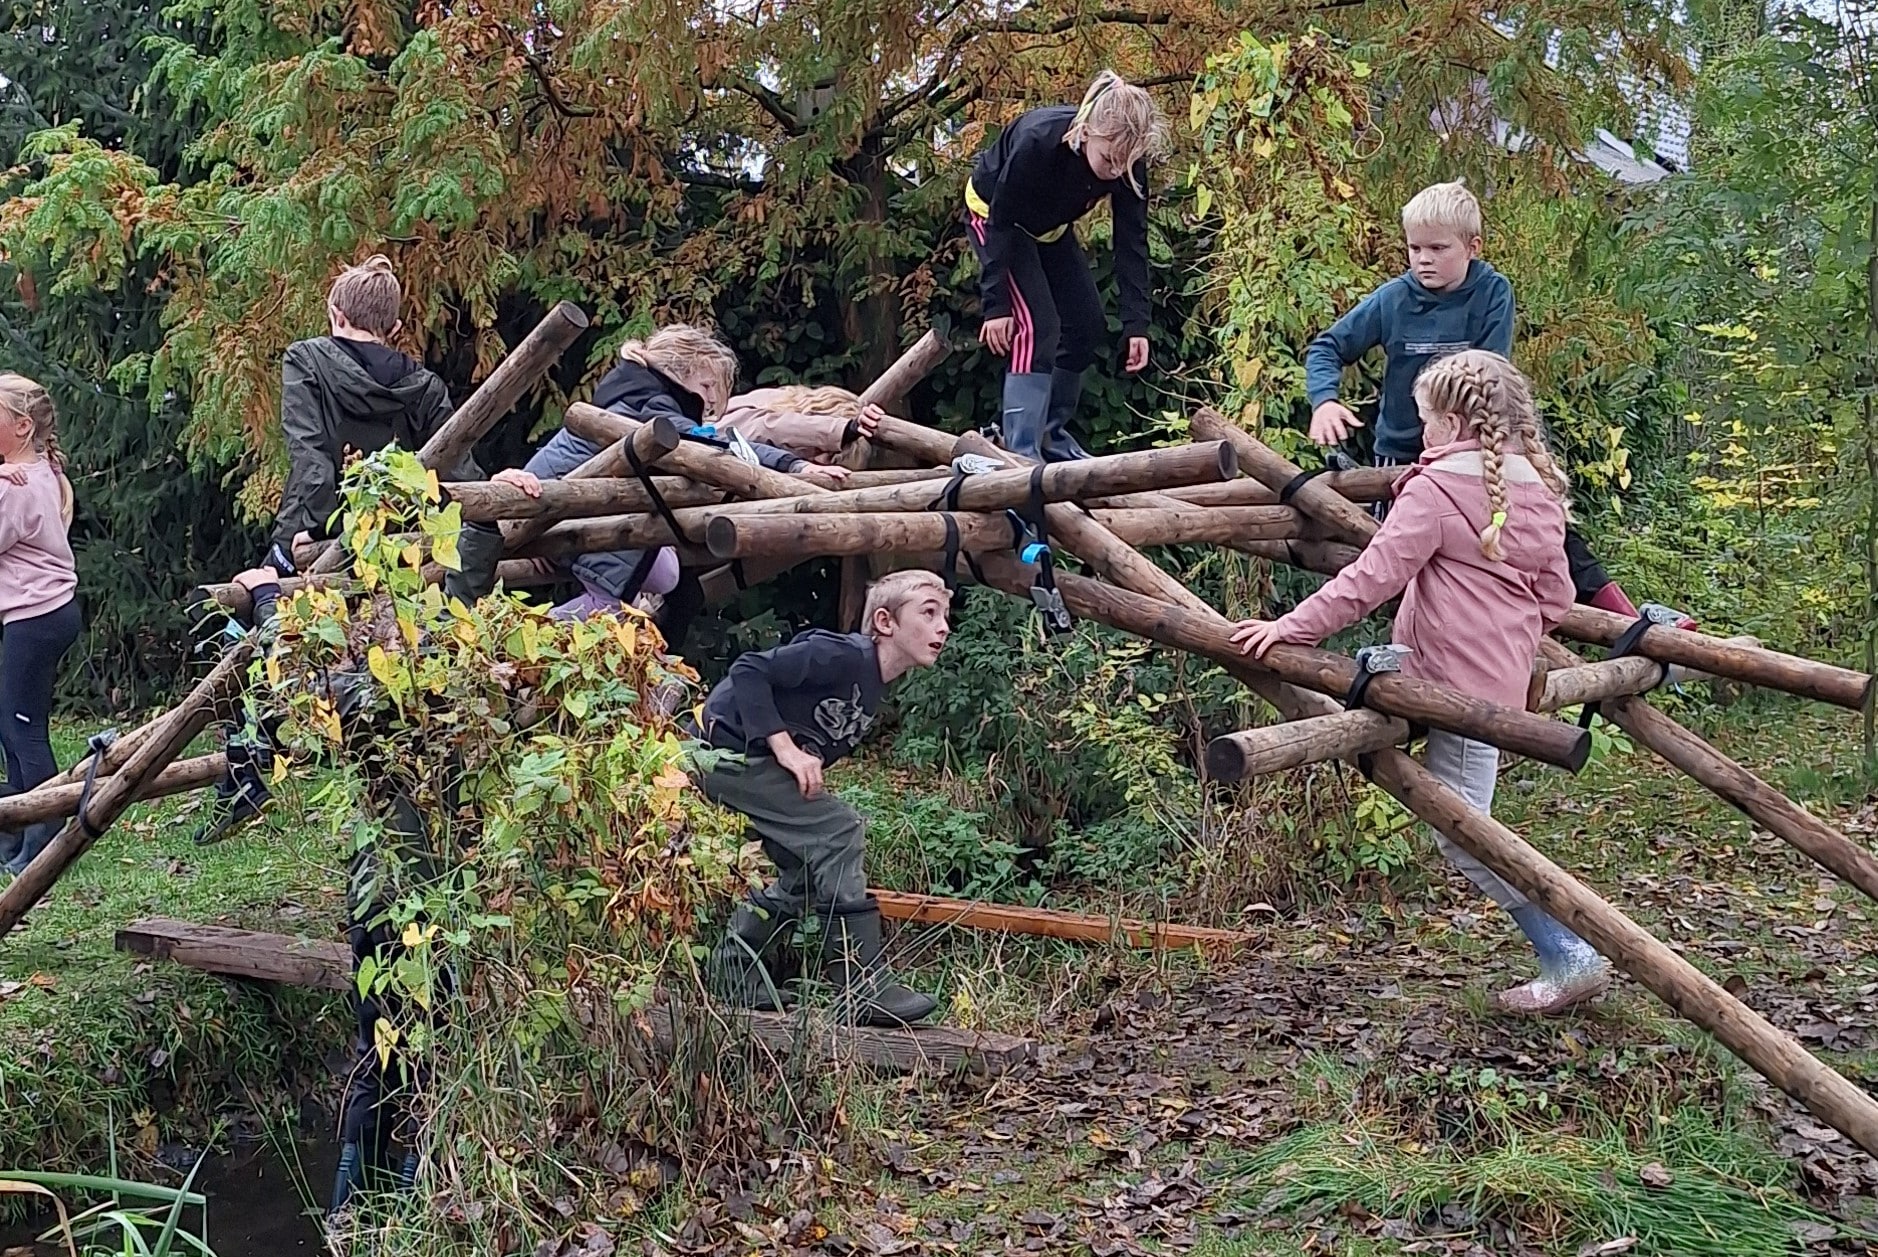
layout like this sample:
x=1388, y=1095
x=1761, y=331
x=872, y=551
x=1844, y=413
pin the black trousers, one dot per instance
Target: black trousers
x=1058, y=312
x=30, y=651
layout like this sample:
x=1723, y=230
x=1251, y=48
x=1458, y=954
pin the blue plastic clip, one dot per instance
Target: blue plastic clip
x=707, y=430
x=1034, y=552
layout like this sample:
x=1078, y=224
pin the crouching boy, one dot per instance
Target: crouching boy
x=792, y=712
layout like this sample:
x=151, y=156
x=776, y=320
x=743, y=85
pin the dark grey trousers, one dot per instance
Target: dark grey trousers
x=817, y=843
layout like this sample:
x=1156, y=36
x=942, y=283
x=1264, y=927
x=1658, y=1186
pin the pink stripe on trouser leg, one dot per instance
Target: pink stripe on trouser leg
x=1024, y=343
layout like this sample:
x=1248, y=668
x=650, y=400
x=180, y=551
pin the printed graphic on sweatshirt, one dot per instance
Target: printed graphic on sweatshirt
x=1437, y=348
x=844, y=720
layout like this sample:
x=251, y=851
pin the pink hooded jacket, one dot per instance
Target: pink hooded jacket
x=1472, y=623
x=762, y=415
x=36, y=572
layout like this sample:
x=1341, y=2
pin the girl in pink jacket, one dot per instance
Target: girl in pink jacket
x=1475, y=546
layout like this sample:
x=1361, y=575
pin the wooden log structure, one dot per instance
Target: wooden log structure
x=1365, y=484
x=1693, y=755
x=111, y=795
x=701, y=462
x=48, y=802
x=519, y=371
x=771, y=536
x=327, y=965
x=1755, y=665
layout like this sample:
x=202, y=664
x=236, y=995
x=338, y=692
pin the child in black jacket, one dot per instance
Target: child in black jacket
x=1045, y=171
x=791, y=712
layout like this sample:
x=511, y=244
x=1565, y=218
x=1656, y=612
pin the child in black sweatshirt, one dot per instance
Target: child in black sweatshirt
x=791, y=712
x=1045, y=171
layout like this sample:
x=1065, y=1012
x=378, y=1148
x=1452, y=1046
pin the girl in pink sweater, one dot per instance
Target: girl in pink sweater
x=1475, y=546
x=38, y=610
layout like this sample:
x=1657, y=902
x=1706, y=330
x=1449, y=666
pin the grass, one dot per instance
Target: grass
x=91, y=1034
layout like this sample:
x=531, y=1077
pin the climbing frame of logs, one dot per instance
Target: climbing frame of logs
x=976, y=512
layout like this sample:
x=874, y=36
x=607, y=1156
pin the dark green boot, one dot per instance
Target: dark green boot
x=740, y=971
x=866, y=992
x=1065, y=396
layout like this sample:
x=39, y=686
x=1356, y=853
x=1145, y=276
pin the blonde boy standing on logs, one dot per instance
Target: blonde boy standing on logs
x=1449, y=300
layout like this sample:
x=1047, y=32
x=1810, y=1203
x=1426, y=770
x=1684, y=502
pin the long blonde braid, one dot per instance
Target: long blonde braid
x=1494, y=404
x=29, y=398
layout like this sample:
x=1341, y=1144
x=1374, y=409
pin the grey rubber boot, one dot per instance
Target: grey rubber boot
x=866, y=992
x=1026, y=410
x=740, y=970
x=1065, y=396
x=34, y=839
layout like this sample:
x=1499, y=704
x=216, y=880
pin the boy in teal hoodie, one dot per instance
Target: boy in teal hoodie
x=1447, y=301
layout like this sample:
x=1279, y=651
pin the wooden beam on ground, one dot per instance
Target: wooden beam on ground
x=111, y=795
x=327, y=966
x=1048, y=923
x=48, y=802
x=519, y=371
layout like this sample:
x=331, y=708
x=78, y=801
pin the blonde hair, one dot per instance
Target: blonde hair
x=1494, y=403
x=894, y=590
x=681, y=350
x=1116, y=109
x=808, y=399
x=1449, y=205
x=368, y=295
x=28, y=399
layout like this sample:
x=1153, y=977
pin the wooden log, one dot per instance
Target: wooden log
x=495, y=397
x=1556, y=688
x=1275, y=748
x=1779, y=1058
x=1735, y=784
x=874, y=477
x=1047, y=923
x=48, y=802
x=701, y=462
x=772, y=536
x=111, y=795
x=1365, y=484
x=1265, y=464
x=232, y=598
x=1000, y=490
x=1756, y=665
x=487, y=502
x=115, y=756
x=327, y=966
x=640, y=531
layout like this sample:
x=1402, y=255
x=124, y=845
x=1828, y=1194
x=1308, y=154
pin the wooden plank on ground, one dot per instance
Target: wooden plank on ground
x=1083, y=927
x=326, y=965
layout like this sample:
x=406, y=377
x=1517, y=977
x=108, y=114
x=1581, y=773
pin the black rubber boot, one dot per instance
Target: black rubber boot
x=865, y=990
x=741, y=972
x=240, y=795
x=1026, y=410
x=33, y=839
x=348, y=1178
x=1065, y=396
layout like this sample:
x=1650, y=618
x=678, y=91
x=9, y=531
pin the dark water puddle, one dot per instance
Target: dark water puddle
x=258, y=1205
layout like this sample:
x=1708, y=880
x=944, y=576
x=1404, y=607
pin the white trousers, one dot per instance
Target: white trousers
x=1470, y=769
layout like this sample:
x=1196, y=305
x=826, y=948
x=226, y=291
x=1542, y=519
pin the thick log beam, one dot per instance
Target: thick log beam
x=1262, y=463
x=495, y=397
x=111, y=795
x=773, y=536
x=1365, y=484
x=485, y=502
x=1295, y=743
x=1000, y=490
x=51, y=802
x=701, y=462
x=232, y=598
